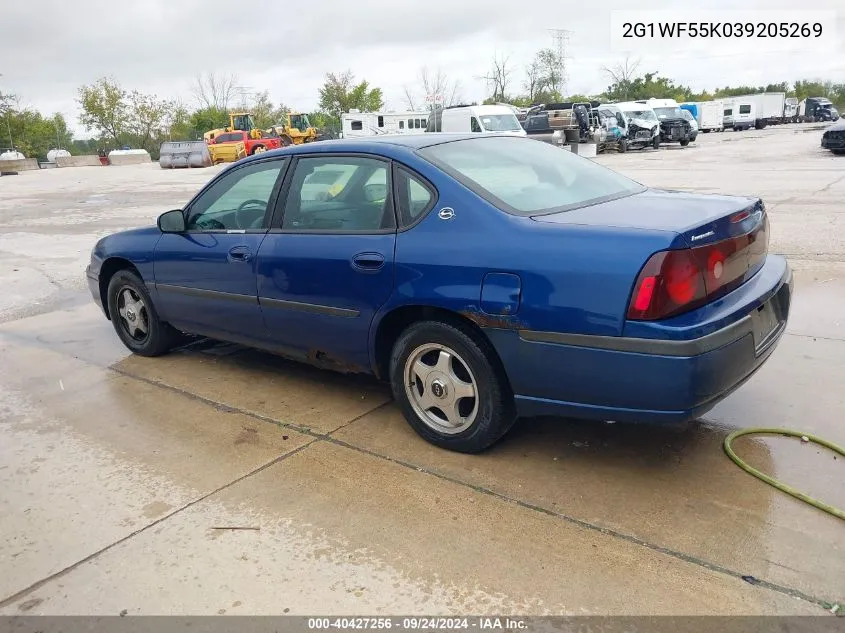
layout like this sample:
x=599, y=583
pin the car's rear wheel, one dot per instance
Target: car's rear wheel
x=449, y=387
x=134, y=316
x=259, y=149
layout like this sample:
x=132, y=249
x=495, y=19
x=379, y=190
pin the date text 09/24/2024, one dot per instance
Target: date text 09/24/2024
x=417, y=623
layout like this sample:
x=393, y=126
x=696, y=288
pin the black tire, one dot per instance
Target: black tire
x=258, y=149
x=495, y=408
x=623, y=146
x=838, y=152
x=656, y=142
x=684, y=143
x=160, y=336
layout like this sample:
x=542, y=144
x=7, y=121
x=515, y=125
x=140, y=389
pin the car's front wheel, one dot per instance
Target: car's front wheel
x=135, y=318
x=450, y=388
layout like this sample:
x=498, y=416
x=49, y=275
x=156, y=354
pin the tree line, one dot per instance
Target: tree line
x=119, y=117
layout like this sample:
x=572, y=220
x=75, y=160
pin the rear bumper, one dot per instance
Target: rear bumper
x=638, y=379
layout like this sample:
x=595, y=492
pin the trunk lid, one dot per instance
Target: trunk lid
x=698, y=219
x=728, y=235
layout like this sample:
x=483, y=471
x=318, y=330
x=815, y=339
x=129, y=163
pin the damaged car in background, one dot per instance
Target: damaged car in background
x=674, y=127
x=643, y=127
x=833, y=138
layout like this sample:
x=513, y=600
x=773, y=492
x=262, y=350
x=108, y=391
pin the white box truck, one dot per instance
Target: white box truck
x=768, y=107
x=711, y=116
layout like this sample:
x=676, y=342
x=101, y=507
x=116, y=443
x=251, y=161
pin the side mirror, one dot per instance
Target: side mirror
x=172, y=222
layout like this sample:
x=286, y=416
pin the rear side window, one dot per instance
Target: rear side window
x=528, y=177
x=745, y=109
x=413, y=197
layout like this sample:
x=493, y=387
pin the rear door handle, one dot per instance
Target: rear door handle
x=368, y=262
x=239, y=254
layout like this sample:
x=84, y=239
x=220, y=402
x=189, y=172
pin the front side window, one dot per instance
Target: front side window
x=528, y=177
x=238, y=201
x=339, y=194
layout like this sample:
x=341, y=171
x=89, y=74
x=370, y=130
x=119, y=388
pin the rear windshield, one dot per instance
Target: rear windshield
x=528, y=177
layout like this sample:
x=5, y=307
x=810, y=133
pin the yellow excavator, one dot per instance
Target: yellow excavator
x=294, y=129
x=237, y=121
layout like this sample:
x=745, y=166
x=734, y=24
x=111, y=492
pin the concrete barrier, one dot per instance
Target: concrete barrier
x=184, y=154
x=21, y=164
x=91, y=160
x=120, y=157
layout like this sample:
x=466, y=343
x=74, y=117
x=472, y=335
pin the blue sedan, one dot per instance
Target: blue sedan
x=483, y=277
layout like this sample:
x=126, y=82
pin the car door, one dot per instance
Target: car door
x=327, y=264
x=206, y=276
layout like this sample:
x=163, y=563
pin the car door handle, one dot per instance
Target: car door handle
x=239, y=254
x=368, y=262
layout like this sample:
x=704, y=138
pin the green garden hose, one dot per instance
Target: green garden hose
x=774, y=482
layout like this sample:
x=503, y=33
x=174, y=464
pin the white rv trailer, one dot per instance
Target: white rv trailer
x=356, y=123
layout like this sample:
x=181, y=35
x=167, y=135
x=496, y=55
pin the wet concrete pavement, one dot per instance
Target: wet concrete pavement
x=116, y=470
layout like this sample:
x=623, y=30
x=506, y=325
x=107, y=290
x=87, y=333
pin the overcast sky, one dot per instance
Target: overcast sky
x=50, y=47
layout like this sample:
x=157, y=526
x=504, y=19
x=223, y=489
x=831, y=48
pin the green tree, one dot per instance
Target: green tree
x=147, y=119
x=178, y=123
x=105, y=109
x=35, y=135
x=208, y=118
x=550, y=85
x=341, y=94
x=265, y=113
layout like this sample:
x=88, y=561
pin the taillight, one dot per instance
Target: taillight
x=673, y=282
x=669, y=283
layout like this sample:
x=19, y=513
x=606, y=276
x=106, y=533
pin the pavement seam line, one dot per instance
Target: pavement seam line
x=814, y=337
x=59, y=574
x=630, y=538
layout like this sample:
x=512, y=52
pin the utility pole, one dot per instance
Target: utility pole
x=561, y=40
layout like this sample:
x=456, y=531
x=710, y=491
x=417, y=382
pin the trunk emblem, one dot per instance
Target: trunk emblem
x=701, y=236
